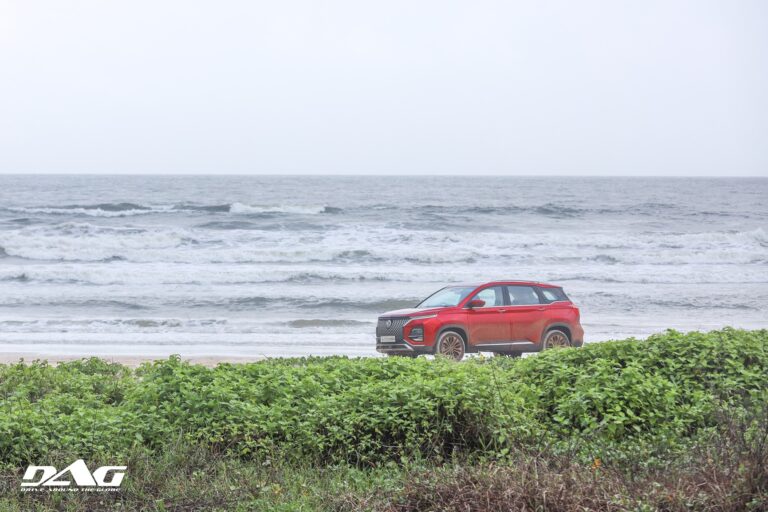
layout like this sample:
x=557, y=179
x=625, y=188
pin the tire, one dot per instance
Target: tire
x=556, y=338
x=451, y=344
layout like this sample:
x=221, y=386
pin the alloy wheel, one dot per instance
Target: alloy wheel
x=452, y=345
x=556, y=339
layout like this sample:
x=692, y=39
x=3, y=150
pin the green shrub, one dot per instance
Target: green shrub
x=616, y=399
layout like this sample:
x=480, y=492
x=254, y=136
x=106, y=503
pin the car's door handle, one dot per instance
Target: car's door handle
x=502, y=311
x=541, y=309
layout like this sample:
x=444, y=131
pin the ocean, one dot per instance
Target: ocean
x=293, y=266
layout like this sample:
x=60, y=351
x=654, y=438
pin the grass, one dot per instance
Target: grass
x=726, y=472
x=675, y=422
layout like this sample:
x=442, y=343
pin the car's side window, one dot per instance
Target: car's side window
x=522, y=295
x=553, y=294
x=493, y=296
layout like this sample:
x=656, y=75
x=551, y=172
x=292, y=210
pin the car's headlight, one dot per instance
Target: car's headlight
x=417, y=334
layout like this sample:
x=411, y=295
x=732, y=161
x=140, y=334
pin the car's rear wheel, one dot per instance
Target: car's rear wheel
x=555, y=338
x=451, y=344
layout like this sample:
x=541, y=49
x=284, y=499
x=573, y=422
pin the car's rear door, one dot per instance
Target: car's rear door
x=489, y=324
x=526, y=314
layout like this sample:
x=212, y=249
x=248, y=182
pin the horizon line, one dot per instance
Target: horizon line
x=384, y=174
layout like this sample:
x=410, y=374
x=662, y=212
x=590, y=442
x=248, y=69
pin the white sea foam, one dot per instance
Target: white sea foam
x=72, y=241
x=88, y=212
x=239, y=208
x=129, y=209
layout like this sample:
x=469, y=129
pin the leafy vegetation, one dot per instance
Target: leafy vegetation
x=635, y=406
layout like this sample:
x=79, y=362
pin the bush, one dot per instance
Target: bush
x=616, y=400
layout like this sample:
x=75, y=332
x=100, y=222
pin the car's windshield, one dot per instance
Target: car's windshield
x=447, y=297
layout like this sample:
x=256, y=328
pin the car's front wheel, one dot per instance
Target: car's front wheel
x=556, y=338
x=451, y=344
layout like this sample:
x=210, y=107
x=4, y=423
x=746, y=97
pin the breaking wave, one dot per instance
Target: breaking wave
x=125, y=209
x=304, y=303
x=240, y=242
x=318, y=322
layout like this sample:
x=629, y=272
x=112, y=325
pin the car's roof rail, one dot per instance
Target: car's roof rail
x=508, y=281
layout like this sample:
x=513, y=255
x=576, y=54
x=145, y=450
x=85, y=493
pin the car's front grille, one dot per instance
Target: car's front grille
x=391, y=327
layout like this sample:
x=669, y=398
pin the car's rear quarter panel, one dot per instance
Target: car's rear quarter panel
x=564, y=314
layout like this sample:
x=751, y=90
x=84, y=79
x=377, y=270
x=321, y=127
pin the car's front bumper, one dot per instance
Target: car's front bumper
x=401, y=347
x=394, y=348
x=392, y=329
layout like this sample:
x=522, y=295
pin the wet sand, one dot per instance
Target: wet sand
x=131, y=361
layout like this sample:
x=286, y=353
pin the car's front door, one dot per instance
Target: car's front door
x=525, y=314
x=489, y=323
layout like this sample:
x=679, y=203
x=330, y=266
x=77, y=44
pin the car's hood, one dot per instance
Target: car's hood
x=411, y=312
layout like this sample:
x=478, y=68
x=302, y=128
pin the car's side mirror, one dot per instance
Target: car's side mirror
x=476, y=303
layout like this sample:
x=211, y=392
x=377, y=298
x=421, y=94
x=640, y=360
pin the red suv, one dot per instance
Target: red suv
x=503, y=317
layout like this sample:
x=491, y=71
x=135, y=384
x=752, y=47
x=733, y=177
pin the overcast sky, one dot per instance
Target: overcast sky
x=649, y=87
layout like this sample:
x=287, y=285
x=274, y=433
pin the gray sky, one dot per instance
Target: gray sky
x=651, y=87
